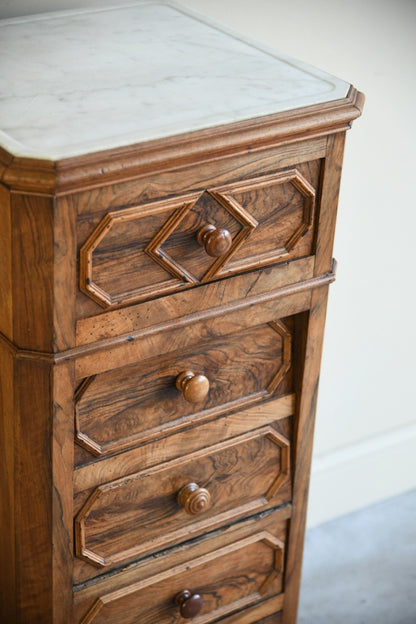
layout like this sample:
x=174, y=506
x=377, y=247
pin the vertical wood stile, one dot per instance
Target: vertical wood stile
x=307, y=391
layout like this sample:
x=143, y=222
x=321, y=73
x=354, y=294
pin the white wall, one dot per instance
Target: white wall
x=365, y=444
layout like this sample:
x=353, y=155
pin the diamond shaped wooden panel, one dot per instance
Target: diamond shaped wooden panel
x=152, y=249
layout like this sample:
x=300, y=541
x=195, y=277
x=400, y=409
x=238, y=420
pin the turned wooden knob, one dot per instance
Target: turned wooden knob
x=194, y=499
x=193, y=387
x=189, y=604
x=216, y=242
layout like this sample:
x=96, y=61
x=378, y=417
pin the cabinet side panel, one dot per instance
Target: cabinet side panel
x=6, y=310
x=65, y=273
x=33, y=490
x=311, y=339
x=330, y=185
x=7, y=542
x=32, y=260
x=62, y=495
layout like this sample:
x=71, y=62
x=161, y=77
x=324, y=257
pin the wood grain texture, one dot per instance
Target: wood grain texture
x=33, y=491
x=136, y=318
x=6, y=299
x=33, y=257
x=125, y=163
x=65, y=275
x=41, y=261
x=43, y=505
x=227, y=579
x=138, y=513
x=308, y=376
x=151, y=249
x=62, y=497
x=274, y=412
x=149, y=186
x=130, y=405
x=331, y=179
x=36, y=503
x=283, y=205
x=202, y=551
x=8, y=577
x=191, y=182
x=133, y=349
x=278, y=177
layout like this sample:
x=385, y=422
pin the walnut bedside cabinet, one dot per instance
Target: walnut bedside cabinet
x=167, y=210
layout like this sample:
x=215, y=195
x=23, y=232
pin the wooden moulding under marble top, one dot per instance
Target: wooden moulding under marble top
x=116, y=165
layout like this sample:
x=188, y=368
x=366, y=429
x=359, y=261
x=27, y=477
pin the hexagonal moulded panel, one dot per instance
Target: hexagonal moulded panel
x=130, y=405
x=283, y=204
x=153, y=249
x=141, y=513
x=257, y=560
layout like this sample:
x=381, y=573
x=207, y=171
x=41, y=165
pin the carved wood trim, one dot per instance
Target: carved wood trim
x=223, y=195
x=292, y=176
x=86, y=349
x=241, y=215
x=154, y=249
x=178, y=534
x=211, y=295
x=281, y=329
x=261, y=414
x=265, y=537
x=127, y=163
x=160, y=256
x=122, y=444
x=86, y=271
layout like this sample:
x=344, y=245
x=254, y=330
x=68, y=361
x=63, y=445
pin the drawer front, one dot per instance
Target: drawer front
x=148, y=250
x=220, y=579
x=151, y=509
x=118, y=409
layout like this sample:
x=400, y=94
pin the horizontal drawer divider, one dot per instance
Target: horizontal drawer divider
x=143, y=456
x=125, y=350
x=85, y=350
x=281, y=512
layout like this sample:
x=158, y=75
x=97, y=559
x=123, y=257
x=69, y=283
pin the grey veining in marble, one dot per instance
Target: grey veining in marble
x=77, y=82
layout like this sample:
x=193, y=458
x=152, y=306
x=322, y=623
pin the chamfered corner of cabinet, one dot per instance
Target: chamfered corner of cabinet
x=357, y=101
x=360, y=101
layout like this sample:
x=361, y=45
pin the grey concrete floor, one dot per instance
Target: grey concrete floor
x=361, y=568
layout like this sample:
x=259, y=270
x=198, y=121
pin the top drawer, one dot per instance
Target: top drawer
x=146, y=250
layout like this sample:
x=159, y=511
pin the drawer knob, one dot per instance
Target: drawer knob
x=194, y=388
x=189, y=604
x=215, y=241
x=194, y=499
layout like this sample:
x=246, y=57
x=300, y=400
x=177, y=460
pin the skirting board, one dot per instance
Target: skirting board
x=361, y=474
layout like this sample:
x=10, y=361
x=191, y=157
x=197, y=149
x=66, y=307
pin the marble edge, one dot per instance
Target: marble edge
x=338, y=88
x=20, y=151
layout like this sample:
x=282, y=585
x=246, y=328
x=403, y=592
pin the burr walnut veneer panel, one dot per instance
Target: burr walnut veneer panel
x=123, y=407
x=146, y=250
x=145, y=511
x=244, y=568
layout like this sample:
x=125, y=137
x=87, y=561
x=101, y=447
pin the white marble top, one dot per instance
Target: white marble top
x=77, y=82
